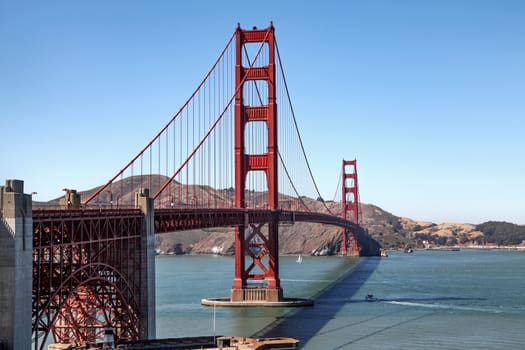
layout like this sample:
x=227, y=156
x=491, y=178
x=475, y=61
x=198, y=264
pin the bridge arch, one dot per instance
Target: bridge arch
x=89, y=299
x=87, y=274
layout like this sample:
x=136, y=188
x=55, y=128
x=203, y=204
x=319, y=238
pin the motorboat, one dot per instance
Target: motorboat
x=370, y=297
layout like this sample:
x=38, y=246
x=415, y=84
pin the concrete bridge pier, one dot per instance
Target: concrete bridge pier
x=147, y=323
x=16, y=262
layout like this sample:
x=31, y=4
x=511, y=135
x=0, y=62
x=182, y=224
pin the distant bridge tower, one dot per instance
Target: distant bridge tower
x=251, y=240
x=350, y=204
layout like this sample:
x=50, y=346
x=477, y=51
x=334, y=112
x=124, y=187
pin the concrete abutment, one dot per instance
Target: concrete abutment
x=147, y=326
x=16, y=266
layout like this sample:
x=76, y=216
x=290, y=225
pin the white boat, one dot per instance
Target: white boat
x=299, y=259
x=216, y=250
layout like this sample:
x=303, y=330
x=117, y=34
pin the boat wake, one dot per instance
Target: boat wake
x=443, y=306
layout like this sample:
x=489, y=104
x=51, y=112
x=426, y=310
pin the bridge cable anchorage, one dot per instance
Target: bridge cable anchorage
x=297, y=128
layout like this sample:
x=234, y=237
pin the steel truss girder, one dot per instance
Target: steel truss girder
x=257, y=243
x=78, y=251
x=172, y=220
x=86, y=274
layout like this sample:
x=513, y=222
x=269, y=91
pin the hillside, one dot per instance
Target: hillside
x=394, y=232
x=385, y=228
x=502, y=233
x=390, y=231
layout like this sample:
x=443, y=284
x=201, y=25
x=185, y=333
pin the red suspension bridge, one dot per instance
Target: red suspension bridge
x=232, y=156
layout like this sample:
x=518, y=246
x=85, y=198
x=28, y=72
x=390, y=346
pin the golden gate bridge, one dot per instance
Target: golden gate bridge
x=232, y=156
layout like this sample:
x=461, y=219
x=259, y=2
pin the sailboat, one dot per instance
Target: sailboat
x=299, y=259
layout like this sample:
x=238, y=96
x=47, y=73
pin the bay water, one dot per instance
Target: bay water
x=468, y=299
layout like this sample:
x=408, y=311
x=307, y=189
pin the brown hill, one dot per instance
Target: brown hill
x=295, y=238
x=391, y=231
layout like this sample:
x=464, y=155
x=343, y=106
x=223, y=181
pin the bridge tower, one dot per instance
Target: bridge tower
x=251, y=240
x=350, y=204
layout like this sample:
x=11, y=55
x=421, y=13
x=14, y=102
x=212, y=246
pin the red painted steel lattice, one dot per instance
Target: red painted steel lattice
x=258, y=76
x=86, y=274
x=86, y=264
x=350, y=204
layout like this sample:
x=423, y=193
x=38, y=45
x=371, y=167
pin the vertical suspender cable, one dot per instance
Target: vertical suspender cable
x=141, y=153
x=159, y=171
x=150, y=165
x=167, y=198
x=198, y=170
x=297, y=128
x=187, y=168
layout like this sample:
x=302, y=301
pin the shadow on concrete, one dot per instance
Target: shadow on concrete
x=305, y=323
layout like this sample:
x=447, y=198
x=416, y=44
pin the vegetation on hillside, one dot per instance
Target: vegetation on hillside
x=384, y=228
x=502, y=233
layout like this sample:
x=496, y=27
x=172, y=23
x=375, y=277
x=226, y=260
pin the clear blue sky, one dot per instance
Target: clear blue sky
x=429, y=96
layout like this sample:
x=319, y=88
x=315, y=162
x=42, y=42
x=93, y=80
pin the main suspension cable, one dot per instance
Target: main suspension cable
x=96, y=193
x=297, y=129
x=278, y=151
x=205, y=137
x=338, y=184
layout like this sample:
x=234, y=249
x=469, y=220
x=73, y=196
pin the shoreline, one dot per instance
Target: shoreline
x=439, y=248
x=460, y=247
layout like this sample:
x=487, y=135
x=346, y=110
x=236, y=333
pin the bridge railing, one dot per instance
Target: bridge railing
x=103, y=211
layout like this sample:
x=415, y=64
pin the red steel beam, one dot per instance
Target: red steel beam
x=349, y=186
x=86, y=274
x=266, y=162
x=171, y=220
x=80, y=256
